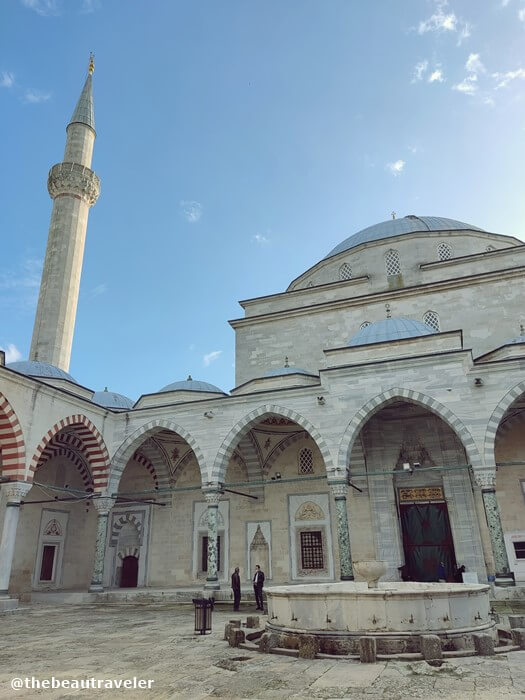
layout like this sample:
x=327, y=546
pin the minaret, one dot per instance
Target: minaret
x=74, y=188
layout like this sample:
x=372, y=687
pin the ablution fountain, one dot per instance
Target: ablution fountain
x=395, y=614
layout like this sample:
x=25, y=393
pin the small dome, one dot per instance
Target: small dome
x=390, y=329
x=110, y=399
x=40, y=369
x=191, y=384
x=398, y=227
x=285, y=370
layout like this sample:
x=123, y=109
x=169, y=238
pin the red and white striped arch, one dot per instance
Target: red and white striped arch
x=93, y=444
x=11, y=443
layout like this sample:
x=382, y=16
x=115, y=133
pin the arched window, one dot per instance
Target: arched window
x=444, y=251
x=489, y=248
x=393, y=266
x=345, y=272
x=365, y=324
x=431, y=318
x=306, y=461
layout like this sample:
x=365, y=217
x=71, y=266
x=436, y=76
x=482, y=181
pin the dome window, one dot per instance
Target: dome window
x=393, y=265
x=444, y=251
x=365, y=324
x=489, y=248
x=431, y=318
x=345, y=272
x=306, y=461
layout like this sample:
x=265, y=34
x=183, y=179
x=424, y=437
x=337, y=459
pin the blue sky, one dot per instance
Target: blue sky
x=237, y=143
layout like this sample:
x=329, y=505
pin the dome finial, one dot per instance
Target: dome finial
x=286, y=361
x=91, y=67
x=394, y=214
x=388, y=311
x=190, y=378
x=522, y=329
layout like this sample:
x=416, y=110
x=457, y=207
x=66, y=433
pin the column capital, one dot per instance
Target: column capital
x=485, y=479
x=16, y=490
x=212, y=496
x=339, y=489
x=103, y=505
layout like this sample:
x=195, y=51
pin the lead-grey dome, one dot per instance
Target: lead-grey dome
x=191, y=384
x=390, y=329
x=110, y=399
x=40, y=369
x=398, y=227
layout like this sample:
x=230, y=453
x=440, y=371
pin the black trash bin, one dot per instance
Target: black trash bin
x=203, y=611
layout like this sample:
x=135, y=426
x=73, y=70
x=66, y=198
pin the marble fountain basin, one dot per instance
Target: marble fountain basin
x=393, y=611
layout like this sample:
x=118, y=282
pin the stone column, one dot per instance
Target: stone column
x=103, y=507
x=486, y=480
x=484, y=532
x=212, y=579
x=339, y=491
x=16, y=491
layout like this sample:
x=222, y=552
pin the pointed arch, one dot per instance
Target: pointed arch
x=93, y=447
x=133, y=442
x=496, y=418
x=12, y=445
x=381, y=400
x=243, y=426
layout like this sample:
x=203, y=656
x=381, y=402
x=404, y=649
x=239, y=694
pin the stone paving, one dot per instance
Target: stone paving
x=156, y=642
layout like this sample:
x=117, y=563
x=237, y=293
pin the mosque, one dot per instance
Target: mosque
x=378, y=413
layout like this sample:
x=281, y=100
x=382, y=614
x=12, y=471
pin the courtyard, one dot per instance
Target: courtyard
x=156, y=642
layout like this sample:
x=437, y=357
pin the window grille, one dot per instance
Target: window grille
x=306, y=461
x=519, y=550
x=345, y=272
x=365, y=324
x=432, y=319
x=312, y=550
x=444, y=251
x=393, y=266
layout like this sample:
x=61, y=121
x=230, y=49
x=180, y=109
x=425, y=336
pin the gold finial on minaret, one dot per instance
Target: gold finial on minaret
x=91, y=68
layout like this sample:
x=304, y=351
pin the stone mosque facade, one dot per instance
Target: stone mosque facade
x=378, y=413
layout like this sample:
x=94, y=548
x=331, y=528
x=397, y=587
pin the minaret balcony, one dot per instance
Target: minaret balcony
x=74, y=180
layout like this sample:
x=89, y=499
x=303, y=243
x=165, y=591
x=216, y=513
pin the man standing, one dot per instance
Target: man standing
x=258, y=583
x=236, y=588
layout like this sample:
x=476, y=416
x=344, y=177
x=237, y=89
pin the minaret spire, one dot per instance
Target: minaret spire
x=74, y=188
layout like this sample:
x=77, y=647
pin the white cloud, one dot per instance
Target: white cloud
x=42, y=7
x=6, y=79
x=412, y=149
x=191, y=210
x=19, y=285
x=260, y=239
x=439, y=22
x=521, y=14
x=32, y=96
x=474, y=64
x=98, y=290
x=419, y=71
x=12, y=353
x=396, y=167
x=505, y=78
x=468, y=86
x=211, y=357
x=436, y=76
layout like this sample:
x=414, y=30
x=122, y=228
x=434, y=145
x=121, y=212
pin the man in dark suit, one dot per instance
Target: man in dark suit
x=258, y=583
x=236, y=588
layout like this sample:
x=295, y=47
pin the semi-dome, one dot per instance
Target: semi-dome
x=390, y=329
x=40, y=369
x=398, y=227
x=110, y=399
x=191, y=384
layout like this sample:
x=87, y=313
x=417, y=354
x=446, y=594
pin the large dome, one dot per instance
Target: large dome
x=191, y=384
x=40, y=369
x=397, y=227
x=390, y=329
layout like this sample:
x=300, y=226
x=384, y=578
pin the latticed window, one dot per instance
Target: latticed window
x=306, y=461
x=365, y=324
x=444, y=251
x=345, y=272
x=312, y=550
x=393, y=266
x=432, y=319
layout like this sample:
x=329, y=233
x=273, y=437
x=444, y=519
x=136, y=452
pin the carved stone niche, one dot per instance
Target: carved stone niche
x=260, y=551
x=309, y=511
